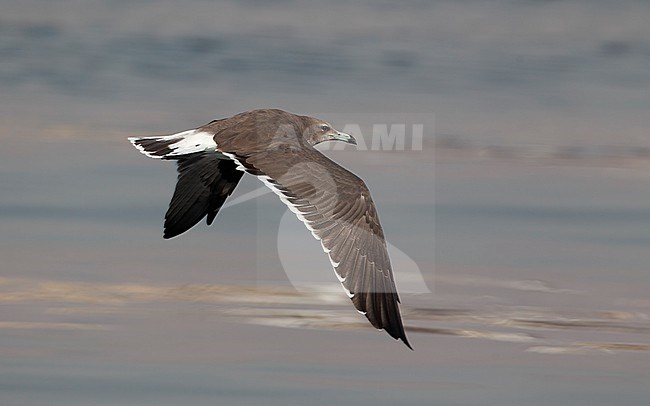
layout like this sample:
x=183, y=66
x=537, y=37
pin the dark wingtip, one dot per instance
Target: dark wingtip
x=406, y=342
x=168, y=234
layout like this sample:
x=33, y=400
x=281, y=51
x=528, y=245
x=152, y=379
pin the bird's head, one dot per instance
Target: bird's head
x=318, y=131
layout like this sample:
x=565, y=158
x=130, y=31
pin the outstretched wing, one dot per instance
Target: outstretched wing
x=335, y=205
x=205, y=180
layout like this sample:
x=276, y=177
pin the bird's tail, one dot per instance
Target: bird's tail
x=175, y=146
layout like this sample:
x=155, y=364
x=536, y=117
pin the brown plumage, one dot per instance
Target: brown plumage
x=332, y=202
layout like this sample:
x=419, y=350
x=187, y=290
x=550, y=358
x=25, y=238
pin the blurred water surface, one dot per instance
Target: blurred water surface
x=535, y=245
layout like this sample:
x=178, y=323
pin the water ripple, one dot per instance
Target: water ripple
x=549, y=331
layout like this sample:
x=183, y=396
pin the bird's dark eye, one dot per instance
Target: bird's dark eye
x=325, y=127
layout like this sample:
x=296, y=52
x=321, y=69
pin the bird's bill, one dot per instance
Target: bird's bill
x=345, y=138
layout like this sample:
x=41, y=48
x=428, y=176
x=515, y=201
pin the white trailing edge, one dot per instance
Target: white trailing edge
x=268, y=182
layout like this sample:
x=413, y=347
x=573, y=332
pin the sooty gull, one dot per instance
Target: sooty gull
x=278, y=148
